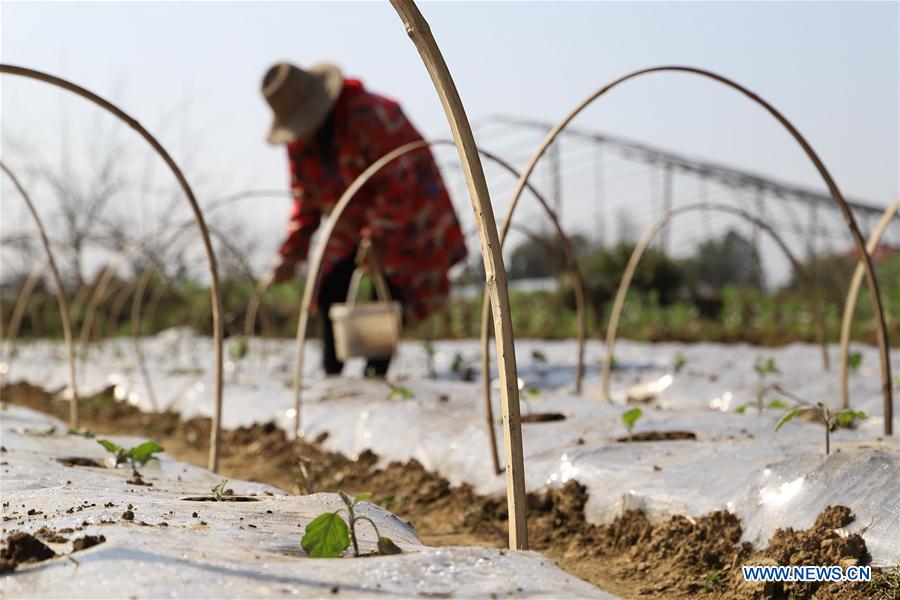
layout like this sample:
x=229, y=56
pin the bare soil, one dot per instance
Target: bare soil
x=632, y=557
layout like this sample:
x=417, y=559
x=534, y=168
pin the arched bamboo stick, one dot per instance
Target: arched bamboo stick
x=485, y=352
x=113, y=267
x=138, y=298
x=420, y=34
x=18, y=313
x=871, y=280
x=853, y=296
x=580, y=304
x=216, y=428
x=644, y=243
x=60, y=297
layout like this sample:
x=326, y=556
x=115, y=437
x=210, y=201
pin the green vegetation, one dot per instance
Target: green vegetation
x=630, y=418
x=830, y=420
x=714, y=295
x=219, y=490
x=399, y=392
x=138, y=455
x=328, y=535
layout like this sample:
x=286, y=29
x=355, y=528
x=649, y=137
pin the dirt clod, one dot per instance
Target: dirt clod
x=86, y=542
x=24, y=548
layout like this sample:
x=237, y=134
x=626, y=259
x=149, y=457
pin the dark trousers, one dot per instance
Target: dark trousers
x=334, y=289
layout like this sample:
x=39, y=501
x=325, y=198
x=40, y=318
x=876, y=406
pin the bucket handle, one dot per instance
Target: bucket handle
x=381, y=288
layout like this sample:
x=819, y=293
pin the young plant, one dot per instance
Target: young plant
x=219, y=490
x=831, y=420
x=398, y=391
x=462, y=368
x=764, y=367
x=138, y=455
x=238, y=349
x=854, y=360
x=430, y=353
x=328, y=535
x=678, y=362
x=539, y=357
x=630, y=418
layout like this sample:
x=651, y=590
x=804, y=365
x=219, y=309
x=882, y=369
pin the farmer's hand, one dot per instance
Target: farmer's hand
x=369, y=251
x=284, y=270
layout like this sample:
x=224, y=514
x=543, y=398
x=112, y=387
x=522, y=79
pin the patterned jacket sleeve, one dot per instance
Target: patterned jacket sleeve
x=304, y=220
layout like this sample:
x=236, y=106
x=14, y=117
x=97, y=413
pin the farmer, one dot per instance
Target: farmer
x=333, y=129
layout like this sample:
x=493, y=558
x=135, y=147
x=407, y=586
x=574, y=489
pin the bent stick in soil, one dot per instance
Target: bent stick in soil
x=859, y=243
x=853, y=295
x=216, y=299
x=495, y=273
x=60, y=297
x=488, y=407
x=644, y=243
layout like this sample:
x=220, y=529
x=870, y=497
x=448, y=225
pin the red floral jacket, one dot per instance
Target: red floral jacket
x=405, y=206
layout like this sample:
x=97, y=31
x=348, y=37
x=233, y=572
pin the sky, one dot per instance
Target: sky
x=190, y=72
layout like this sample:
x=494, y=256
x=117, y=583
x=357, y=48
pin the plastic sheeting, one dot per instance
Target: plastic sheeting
x=229, y=549
x=737, y=462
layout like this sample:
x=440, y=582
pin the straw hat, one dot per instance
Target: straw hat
x=300, y=98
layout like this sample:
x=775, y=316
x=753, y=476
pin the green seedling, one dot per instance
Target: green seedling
x=630, y=418
x=39, y=432
x=238, y=349
x=219, y=490
x=399, y=392
x=764, y=367
x=678, y=362
x=854, y=360
x=328, y=535
x=430, y=353
x=713, y=582
x=830, y=419
x=462, y=367
x=538, y=356
x=139, y=455
x=83, y=432
x=533, y=392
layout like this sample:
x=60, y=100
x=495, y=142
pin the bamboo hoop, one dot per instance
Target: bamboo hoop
x=315, y=267
x=580, y=304
x=420, y=34
x=60, y=297
x=113, y=267
x=216, y=428
x=644, y=243
x=871, y=280
x=853, y=296
x=18, y=313
x=138, y=297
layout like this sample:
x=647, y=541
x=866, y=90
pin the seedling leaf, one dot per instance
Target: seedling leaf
x=362, y=496
x=400, y=392
x=789, y=416
x=777, y=404
x=142, y=453
x=741, y=409
x=846, y=417
x=219, y=490
x=854, y=360
x=538, y=356
x=326, y=536
x=630, y=417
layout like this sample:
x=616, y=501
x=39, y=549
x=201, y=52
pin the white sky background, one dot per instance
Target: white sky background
x=190, y=73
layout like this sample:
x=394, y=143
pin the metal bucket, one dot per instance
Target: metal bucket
x=368, y=329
